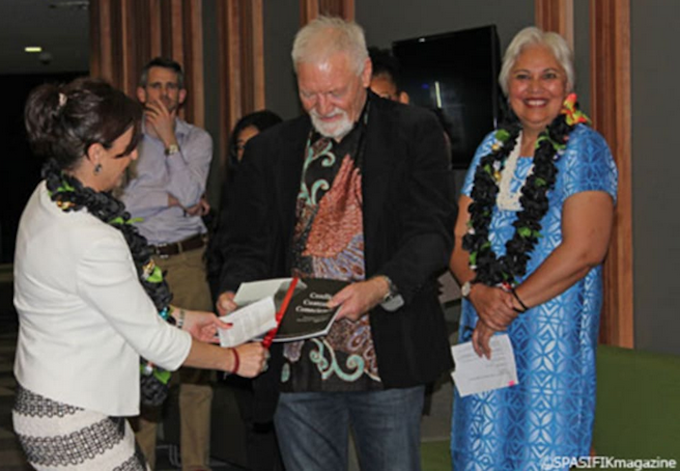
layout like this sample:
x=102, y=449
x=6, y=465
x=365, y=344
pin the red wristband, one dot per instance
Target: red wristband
x=234, y=370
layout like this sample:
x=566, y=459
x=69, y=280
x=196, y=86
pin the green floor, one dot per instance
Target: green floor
x=435, y=456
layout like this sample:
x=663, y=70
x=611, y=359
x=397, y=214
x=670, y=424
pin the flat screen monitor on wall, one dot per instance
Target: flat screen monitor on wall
x=458, y=73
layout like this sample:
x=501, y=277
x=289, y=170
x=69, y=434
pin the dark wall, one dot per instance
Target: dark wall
x=20, y=168
x=388, y=20
x=281, y=22
x=656, y=167
x=384, y=21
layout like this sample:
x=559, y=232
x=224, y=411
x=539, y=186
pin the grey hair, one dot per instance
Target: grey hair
x=325, y=36
x=532, y=36
x=165, y=63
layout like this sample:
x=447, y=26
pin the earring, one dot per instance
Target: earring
x=97, y=169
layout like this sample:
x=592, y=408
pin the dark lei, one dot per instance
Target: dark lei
x=551, y=143
x=71, y=195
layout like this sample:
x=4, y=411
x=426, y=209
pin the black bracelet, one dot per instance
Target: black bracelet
x=514, y=293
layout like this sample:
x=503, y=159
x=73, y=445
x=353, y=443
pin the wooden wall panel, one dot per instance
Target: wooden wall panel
x=240, y=63
x=257, y=54
x=126, y=34
x=557, y=16
x=193, y=58
x=151, y=17
x=610, y=105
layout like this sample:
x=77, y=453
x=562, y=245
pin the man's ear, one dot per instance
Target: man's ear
x=404, y=98
x=182, y=95
x=367, y=73
x=141, y=95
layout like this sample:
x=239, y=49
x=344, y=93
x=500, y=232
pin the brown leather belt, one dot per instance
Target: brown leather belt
x=174, y=248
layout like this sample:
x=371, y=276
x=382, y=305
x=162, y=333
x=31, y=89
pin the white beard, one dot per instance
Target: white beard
x=336, y=129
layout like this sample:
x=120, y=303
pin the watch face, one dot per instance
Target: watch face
x=393, y=303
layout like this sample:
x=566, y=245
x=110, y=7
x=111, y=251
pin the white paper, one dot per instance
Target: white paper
x=475, y=374
x=255, y=290
x=248, y=322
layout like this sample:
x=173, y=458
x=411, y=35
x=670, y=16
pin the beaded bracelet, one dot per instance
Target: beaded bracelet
x=165, y=315
x=181, y=317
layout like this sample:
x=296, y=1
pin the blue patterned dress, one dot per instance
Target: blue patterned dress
x=550, y=413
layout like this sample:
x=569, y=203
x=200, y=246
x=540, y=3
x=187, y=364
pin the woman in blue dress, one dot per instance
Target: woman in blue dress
x=533, y=229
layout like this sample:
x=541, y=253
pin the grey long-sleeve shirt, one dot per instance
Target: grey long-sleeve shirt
x=182, y=175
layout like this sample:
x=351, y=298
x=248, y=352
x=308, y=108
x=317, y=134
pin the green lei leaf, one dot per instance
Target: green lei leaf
x=502, y=135
x=119, y=220
x=66, y=187
x=156, y=276
x=162, y=375
x=524, y=232
x=554, y=144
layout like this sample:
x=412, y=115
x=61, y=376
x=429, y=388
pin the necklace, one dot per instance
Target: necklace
x=533, y=202
x=509, y=200
x=70, y=195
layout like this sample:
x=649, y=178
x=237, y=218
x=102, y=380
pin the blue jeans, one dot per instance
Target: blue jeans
x=313, y=429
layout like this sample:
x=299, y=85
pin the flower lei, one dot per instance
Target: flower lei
x=550, y=145
x=70, y=195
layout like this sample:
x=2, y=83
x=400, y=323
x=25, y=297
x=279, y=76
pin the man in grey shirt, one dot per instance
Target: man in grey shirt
x=166, y=191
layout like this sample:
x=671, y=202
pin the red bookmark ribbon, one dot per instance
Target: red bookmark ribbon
x=269, y=338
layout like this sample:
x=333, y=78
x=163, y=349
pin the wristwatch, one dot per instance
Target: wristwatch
x=466, y=289
x=172, y=149
x=392, y=300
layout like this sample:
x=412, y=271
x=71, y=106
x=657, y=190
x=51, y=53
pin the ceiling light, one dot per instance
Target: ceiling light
x=33, y=49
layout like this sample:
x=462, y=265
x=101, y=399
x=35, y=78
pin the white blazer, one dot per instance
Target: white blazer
x=84, y=318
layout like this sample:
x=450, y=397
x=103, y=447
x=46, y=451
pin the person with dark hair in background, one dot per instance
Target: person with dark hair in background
x=89, y=297
x=166, y=193
x=385, y=79
x=262, y=450
x=535, y=219
x=355, y=190
x=245, y=129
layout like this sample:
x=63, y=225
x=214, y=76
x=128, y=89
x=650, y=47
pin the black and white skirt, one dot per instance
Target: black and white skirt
x=57, y=436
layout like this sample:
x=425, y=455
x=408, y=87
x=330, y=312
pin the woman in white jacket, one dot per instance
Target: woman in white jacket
x=89, y=298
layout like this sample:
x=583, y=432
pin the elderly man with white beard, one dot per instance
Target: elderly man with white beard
x=356, y=190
